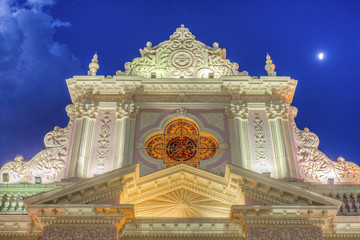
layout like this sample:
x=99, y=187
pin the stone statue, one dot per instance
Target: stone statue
x=218, y=51
x=147, y=50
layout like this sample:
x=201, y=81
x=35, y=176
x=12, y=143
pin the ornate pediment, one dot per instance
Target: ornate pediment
x=181, y=191
x=182, y=56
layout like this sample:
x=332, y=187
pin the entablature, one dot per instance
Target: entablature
x=82, y=86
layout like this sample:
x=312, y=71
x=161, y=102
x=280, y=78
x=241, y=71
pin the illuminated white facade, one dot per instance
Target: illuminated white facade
x=247, y=171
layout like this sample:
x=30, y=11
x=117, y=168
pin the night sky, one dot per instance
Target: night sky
x=43, y=42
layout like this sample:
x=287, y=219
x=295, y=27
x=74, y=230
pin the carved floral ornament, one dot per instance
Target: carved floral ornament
x=49, y=164
x=314, y=165
x=182, y=56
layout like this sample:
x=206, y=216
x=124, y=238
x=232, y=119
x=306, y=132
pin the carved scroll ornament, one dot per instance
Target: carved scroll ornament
x=314, y=165
x=182, y=56
x=49, y=164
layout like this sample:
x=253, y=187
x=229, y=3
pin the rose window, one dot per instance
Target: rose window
x=181, y=142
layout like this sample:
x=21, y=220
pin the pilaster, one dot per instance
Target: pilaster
x=275, y=114
x=238, y=122
x=84, y=130
x=125, y=131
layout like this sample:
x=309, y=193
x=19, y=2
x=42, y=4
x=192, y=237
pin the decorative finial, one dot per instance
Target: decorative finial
x=182, y=25
x=270, y=67
x=93, y=66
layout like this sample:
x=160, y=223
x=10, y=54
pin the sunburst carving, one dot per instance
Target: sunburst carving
x=182, y=204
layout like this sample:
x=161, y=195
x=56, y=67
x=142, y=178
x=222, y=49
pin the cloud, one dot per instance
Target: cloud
x=33, y=68
x=40, y=3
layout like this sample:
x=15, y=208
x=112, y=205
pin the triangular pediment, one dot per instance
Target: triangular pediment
x=93, y=190
x=270, y=191
x=181, y=191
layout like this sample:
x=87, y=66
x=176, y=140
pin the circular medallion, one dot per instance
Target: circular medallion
x=182, y=59
x=181, y=148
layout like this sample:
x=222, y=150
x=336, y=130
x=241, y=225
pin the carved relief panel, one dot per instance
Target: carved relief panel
x=260, y=143
x=102, y=151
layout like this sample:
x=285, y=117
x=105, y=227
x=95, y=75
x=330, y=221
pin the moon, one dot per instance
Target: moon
x=321, y=56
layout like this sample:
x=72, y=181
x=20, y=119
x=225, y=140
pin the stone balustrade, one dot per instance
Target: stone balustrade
x=348, y=194
x=11, y=195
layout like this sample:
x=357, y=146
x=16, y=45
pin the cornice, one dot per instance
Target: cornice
x=283, y=189
x=81, y=213
x=176, y=228
x=283, y=215
x=80, y=86
x=102, y=184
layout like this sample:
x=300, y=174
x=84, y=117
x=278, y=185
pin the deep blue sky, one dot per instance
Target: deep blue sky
x=43, y=42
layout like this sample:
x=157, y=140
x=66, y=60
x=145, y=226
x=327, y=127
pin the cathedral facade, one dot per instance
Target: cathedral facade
x=180, y=145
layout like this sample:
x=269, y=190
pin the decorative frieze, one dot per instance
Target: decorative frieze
x=182, y=97
x=285, y=232
x=80, y=231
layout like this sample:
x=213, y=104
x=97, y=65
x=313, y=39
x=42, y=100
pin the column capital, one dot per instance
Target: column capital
x=86, y=110
x=237, y=110
x=127, y=110
x=275, y=110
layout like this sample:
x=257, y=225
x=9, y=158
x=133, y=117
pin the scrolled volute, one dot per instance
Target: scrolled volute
x=49, y=164
x=315, y=166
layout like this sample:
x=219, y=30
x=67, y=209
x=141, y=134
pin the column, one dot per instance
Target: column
x=125, y=131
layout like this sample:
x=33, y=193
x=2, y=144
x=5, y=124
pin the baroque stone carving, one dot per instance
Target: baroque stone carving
x=181, y=113
x=314, y=165
x=182, y=56
x=237, y=110
x=127, y=110
x=261, y=149
x=103, y=144
x=48, y=164
x=86, y=110
x=277, y=110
